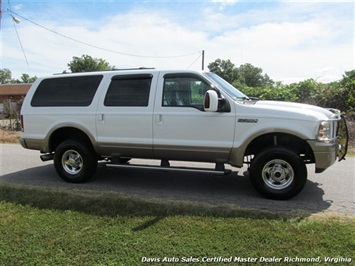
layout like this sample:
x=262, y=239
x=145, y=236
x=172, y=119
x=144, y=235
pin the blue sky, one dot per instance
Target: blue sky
x=289, y=40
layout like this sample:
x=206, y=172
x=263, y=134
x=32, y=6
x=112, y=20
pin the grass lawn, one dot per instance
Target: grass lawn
x=41, y=226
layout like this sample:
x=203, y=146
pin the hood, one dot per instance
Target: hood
x=295, y=110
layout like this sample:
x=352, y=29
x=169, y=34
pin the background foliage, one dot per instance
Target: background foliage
x=252, y=82
x=87, y=63
x=247, y=78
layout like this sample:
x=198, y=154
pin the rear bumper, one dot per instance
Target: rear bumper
x=33, y=144
x=23, y=143
x=325, y=154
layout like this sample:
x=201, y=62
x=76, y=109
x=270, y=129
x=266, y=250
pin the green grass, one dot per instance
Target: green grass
x=49, y=227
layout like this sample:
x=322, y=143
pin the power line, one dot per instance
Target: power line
x=194, y=61
x=18, y=36
x=23, y=50
x=97, y=47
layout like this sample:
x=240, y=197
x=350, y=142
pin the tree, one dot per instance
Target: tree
x=25, y=78
x=224, y=68
x=245, y=75
x=252, y=76
x=5, y=76
x=87, y=63
x=306, y=90
x=348, y=83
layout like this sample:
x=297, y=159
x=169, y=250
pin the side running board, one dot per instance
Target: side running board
x=165, y=166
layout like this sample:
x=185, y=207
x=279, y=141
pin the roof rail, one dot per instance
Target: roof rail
x=114, y=69
x=137, y=68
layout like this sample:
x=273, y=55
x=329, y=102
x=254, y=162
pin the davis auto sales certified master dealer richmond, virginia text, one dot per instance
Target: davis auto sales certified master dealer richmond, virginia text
x=236, y=259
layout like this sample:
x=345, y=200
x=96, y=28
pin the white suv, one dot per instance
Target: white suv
x=78, y=119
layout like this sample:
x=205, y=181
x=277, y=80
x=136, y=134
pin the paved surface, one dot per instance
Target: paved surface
x=332, y=191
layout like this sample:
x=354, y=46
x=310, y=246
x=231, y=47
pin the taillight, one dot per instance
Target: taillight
x=22, y=124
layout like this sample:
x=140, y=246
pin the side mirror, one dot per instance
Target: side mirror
x=210, y=103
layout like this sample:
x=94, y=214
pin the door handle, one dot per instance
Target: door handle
x=159, y=120
x=100, y=118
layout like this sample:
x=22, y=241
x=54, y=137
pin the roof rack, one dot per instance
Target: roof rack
x=114, y=69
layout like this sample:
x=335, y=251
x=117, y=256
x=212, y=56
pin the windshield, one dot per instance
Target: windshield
x=227, y=87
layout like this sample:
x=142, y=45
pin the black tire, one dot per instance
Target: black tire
x=278, y=173
x=74, y=161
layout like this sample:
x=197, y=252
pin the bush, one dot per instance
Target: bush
x=328, y=95
x=251, y=81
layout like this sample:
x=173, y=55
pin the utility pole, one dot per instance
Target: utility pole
x=203, y=59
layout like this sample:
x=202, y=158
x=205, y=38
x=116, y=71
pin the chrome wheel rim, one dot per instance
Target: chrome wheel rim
x=72, y=162
x=278, y=174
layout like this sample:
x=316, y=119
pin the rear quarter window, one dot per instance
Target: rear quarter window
x=66, y=91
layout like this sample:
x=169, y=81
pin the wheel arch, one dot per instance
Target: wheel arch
x=296, y=143
x=63, y=133
x=259, y=142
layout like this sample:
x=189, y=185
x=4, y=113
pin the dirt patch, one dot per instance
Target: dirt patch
x=9, y=136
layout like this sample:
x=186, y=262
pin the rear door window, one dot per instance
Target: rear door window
x=129, y=90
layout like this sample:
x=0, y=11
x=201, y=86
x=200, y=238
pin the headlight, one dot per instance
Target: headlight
x=325, y=131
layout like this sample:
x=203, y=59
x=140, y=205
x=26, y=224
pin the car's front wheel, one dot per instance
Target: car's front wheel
x=74, y=161
x=278, y=173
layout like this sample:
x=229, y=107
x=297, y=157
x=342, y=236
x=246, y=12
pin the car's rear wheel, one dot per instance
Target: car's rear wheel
x=74, y=161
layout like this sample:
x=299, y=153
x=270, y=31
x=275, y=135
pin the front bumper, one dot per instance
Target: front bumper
x=325, y=154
